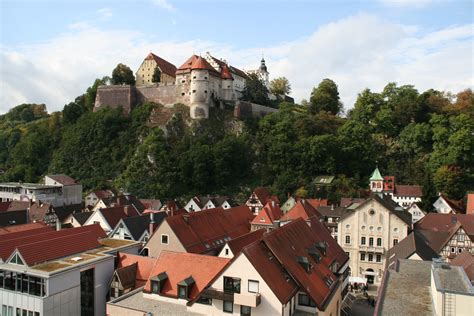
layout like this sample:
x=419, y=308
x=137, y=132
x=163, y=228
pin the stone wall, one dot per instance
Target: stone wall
x=165, y=94
x=114, y=97
x=244, y=109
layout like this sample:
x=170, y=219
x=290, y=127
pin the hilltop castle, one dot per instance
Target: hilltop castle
x=200, y=83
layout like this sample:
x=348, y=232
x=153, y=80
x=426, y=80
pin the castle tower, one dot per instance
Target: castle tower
x=264, y=72
x=199, y=93
x=376, y=181
x=227, y=83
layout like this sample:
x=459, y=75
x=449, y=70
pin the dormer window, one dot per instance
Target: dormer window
x=184, y=287
x=158, y=282
x=304, y=262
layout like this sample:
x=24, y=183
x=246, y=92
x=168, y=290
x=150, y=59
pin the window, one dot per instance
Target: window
x=164, y=239
x=371, y=228
x=348, y=239
x=228, y=306
x=226, y=252
x=371, y=241
x=378, y=258
x=395, y=241
x=182, y=292
x=362, y=257
x=194, y=91
x=231, y=285
x=459, y=250
x=304, y=300
x=155, y=287
x=460, y=237
x=348, y=226
x=371, y=212
x=245, y=310
x=395, y=230
x=379, y=242
x=371, y=257
x=362, y=240
x=253, y=286
x=453, y=250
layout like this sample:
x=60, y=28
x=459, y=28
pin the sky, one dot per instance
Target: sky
x=51, y=51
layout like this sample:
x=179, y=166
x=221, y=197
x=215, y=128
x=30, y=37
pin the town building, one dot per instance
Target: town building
x=234, y=246
x=239, y=76
x=204, y=232
x=444, y=205
x=94, y=197
x=76, y=219
x=65, y=272
x=403, y=195
x=262, y=73
x=144, y=74
x=416, y=212
x=368, y=231
x=268, y=218
x=137, y=228
x=199, y=203
x=57, y=190
x=436, y=235
x=258, y=198
x=109, y=217
x=331, y=216
x=302, y=209
x=416, y=288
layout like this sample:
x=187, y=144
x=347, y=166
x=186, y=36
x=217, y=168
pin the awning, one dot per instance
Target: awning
x=370, y=273
x=357, y=280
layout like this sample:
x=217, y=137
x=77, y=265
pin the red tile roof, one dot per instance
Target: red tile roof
x=268, y=214
x=204, y=231
x=63, y=179
x=165, y=66
x=408, y=190
x=317, y=202
x=466, y=261
x=38, y=211
x=238, y=243
x=102, y=194
x=38, y=245
x=13, y=206
x=144, y=266
x=345, y=202
x=292, y=241
x=302, y=209
x=231, y=68
x=470, y=203
x=196, y=62
x=263, y=194
x=225, y=73
x=114, y=214
x=456, y=206
x=24, y=227
x=179, y=266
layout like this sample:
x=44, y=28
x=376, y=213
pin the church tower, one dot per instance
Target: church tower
x=264, y=72
x=376, y=181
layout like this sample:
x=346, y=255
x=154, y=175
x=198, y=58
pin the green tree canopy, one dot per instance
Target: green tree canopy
x=255, y=91
x=122, y=75
x=325, y=97
x=156, y=75
x=280, y=86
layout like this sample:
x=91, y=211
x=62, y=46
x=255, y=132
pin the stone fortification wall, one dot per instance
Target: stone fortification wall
x=244, y=109
x=114, y=97
x=166, y=94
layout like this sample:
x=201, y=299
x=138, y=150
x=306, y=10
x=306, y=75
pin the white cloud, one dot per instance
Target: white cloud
x=164, y=4
x=408, y=3
x=348, y=51
x=105, y=13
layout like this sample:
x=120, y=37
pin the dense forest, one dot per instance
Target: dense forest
x=421, y=138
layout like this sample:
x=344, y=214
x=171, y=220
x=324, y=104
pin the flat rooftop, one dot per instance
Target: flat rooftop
x=452, y=279
x=28, y=185
x=407, y=290
x=137, y=302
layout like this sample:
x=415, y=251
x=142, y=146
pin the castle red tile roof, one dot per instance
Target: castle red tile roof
x=40, y=245
x=408, y=190
x=165, y=66
x=301, y=209
x=225, y=73
x=232, y=69
x=205, y=231
x=63, y=179
x=24, y=227
x=237, y=244
x=196, y=62
x=268, y=214
x=179, y=266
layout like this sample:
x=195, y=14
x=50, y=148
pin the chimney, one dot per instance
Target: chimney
x=332, y=207
x=58, y=224
x=273, y=204
x=186, y=218
x=126, y=209
x=276, y=224
x=152, y=225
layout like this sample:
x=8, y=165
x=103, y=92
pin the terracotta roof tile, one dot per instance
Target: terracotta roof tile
x=240, y=242
x=466, y=261
x=179, y=266
x=270, y=213
x=102, y=194
x=24, y=227
x=317, y=202
x=263, y=194
x=302, y=209
x=62, y=179
x=225, y=73
x=13, y=206
x=196, y=62
x=165, y=66
x=144, y=264
x=408, y=190
x=470, y=203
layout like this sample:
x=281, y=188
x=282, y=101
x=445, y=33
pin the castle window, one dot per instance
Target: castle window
x=194, y=77
x=194, y=91
x=205, y=78
x=183, y=81
x=205, y=91
x=182, y=93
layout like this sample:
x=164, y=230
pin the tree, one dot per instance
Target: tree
x=280, y=86
x=122, y=74
x=325, y=98
x=255, y=91
x=156, y=75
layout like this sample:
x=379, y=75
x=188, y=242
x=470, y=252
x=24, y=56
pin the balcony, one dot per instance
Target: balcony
x=217, y=294
x=249, y=299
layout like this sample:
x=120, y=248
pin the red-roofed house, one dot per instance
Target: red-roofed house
x=233, y=247
x=109, y=217
x=42, y=267
x=204, y=232
x=259, y=197
x=302, y=209
x=470, y=203
x=268, y=217
x=146, y=70
x=444, y=205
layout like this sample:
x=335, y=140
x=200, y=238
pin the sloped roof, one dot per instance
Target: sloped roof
x=13, y=218
x=38, y=245
x=102, y=194
x=345, y=201
x=82, y=217
x=240, y=242
x=179, y=266
x=302, y=209
x=114, y=214
x=203, y=231
x=64, y=211
x=454, y=205
x=62, y=179
x=144, y=266
x=337, y=211
x=408, y=190
x=24, y=227
x=272, y=271
x=392, y=206
x=196, y=62
x=225, y=73
x=415, y=242
x=151, y=204
x=38, y=211
x=376, y=176
x=14, y=206
x=466, y=261
x=292, y=241
x=127, y=275
x=446, y=222
x=262, y=193
x=268, y=214
x=232, y=69
x=137, y=225
x=317, y=202
x=165, y=66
